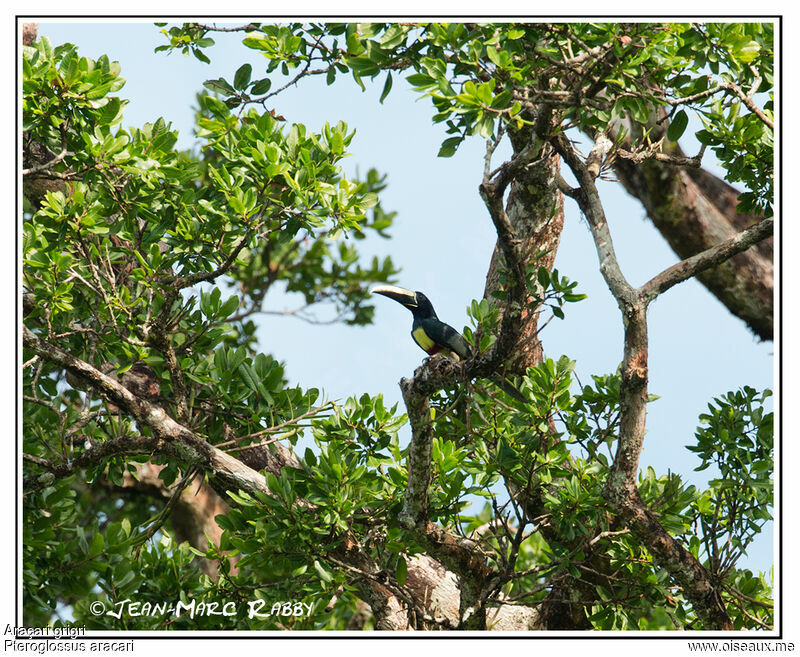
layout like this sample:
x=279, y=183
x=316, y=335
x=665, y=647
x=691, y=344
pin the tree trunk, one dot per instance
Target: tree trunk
x=535, y=208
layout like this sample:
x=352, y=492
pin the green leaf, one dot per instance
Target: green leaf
x=746, y=51
x=242, y=77
x=272, y=483
x=127, y=578
x=98, y=545
x=449, y=146
x=261, y=87
x=677, y=126
x=110, y=112
x=543, y=277
x=387, y=87
x=420, y=80
x=237, y=205
x=220, y=85
x=229, y=307
x=401, y=571
x=324, y=575
x=199, y=54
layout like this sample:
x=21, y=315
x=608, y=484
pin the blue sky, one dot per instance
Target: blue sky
x=443, y=240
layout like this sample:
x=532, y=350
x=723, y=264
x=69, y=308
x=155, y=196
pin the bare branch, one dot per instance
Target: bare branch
x=273, y=429
x=602, y=147
x=607, y=534
x=683, y=100
x=505, y=173
x=589, y=201
x=250, y=27
x=127, y=445
x=747, y=99
x=193, y=279
x=621, y=488
x=305, y=72
x=46, y=404
x=47, y=165
x=653, y=152
x=708, y=258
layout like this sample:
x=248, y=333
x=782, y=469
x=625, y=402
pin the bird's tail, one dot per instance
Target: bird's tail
x=510, y=389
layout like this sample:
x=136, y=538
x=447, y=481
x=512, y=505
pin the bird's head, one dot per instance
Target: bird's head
x=416, y=302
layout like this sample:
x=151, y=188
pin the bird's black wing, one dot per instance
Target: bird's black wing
x=446, y=337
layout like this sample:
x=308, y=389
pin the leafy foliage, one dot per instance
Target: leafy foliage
x=480, y=77
x=129, y=246
x=119, y=256
x=736, y=436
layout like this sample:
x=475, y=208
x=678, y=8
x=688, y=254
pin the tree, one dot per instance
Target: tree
x=143, y=384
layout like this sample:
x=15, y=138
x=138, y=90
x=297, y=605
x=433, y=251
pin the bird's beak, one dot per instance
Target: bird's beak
x=399, y=294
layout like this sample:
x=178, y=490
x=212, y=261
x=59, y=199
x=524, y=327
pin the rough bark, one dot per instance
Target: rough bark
x=29, y=33
x=476, y=580
x=436, y=588
x=535, y=209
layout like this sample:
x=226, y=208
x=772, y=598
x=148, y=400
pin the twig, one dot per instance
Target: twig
x=748, y=101
x=653, y=153
x=309, y=413
x=158, y=522
x=264, y=443
x=250, y=27
x=58, y=158
x=698, y=96
x=47, y=165
x=606, y=534
x=589, y=201
x=741, y=596
x=46, y=404
x=182, y=282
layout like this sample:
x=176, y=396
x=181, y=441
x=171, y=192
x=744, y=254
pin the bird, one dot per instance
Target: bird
x=431, y=334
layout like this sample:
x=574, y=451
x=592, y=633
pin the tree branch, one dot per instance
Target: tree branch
x=225, y=472
x=747, y=99
x=250, y=27
x=182, y=282
x=621, y=488
x=126, y=445
x=589, y=202
x=695, y=211
x=462, y=556
x=709, y=258
x=47, y=165
x=653, y=152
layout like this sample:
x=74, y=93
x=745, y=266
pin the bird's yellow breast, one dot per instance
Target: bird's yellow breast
x=429, y=346
x=422, y=339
